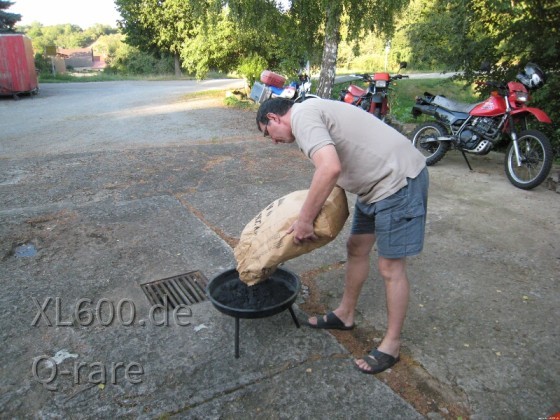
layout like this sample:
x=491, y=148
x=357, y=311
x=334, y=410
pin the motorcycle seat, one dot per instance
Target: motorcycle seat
x=453, y=105
x=276, y=90
x=287, y=92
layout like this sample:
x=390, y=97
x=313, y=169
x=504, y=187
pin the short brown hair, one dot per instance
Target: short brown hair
x=279, y=106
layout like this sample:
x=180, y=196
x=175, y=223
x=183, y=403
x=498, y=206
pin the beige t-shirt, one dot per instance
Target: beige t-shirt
x=376, y=159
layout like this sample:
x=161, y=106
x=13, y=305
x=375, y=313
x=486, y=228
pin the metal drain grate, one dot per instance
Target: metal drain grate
x=184, y=289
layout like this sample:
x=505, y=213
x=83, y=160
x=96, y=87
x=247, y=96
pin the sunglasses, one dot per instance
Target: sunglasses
x=265, y=131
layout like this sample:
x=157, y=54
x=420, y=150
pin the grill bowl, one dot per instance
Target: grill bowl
x=232, y=297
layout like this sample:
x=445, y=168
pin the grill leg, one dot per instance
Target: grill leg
x=236, y=337
x=294, y=316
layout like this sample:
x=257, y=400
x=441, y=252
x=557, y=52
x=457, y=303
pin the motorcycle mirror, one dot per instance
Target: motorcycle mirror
x=403, y=65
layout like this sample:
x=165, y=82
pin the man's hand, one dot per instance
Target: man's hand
x=302, y=232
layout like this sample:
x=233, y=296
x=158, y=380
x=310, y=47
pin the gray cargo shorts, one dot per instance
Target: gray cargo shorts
x=398, y=221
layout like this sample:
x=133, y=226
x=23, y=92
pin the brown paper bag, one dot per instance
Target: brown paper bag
x=264, y=243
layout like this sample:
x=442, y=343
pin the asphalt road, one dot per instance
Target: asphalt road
x=79, y=117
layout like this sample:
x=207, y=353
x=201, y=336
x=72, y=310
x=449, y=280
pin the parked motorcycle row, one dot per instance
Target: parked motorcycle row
x=468, y=128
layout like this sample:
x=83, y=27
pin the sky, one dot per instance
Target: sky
x=83, y=13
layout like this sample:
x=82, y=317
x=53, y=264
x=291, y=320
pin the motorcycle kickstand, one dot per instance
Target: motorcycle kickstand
x=466, y=160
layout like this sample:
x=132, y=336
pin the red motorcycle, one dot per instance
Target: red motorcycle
x=374, y=99
x=476, y=128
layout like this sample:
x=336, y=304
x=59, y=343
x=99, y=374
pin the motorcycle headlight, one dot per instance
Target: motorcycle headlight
x=521, y=96
x=380, y=83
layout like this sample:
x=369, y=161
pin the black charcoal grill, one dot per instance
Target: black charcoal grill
x=233, y=297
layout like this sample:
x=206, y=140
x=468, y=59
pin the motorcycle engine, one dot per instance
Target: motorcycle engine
x=365, y=104
x=468, y=139
x=480, y=129
x=486, y=127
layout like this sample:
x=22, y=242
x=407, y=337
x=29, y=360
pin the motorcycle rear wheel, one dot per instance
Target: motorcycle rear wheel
x=536, y=160
x=432, y=150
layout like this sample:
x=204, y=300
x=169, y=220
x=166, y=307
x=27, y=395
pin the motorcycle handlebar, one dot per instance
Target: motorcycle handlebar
x=500, y=86
x=365, y=77
x=369, y=78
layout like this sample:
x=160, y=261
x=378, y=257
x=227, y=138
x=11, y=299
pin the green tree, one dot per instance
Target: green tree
x=251, y=67
x=318, y=22
x=93, y=33
x=111, y=46
x=461, y=34
x=361, y=18
x=62, y=36
x=205, y=35
x=212, y=49
x=157, y=26
x=224, y=43
x=7, y=20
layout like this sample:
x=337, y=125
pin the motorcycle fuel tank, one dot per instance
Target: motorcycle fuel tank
x=493, y=106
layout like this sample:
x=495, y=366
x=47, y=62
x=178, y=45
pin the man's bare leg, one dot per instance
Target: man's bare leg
x=397, y=289
x=357, y=270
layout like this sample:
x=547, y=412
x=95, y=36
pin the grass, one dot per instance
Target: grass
x=101, y=76
x=86, y=77
x=235, y=102
x=204, y=94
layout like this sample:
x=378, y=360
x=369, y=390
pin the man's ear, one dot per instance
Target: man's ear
x=272, y=117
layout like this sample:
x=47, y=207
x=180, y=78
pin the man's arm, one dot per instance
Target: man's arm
x=327, y=170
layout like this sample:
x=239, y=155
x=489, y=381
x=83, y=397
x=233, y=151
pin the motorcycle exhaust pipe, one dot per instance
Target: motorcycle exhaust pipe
x=418, y=110
x=437, y=139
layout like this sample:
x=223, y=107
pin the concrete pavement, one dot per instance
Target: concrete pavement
x=480, y=340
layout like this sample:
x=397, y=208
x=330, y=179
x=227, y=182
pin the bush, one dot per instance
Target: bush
x=42, y=64
x=251, y=68
x=130, y=60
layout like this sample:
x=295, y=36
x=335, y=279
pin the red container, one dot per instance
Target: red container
x=272, y=79
x=17, y=65
x=356, y=91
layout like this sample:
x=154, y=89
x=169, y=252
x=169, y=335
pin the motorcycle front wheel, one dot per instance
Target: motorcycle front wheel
x=377, y=113
x=535, y=153
x=423, y=139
